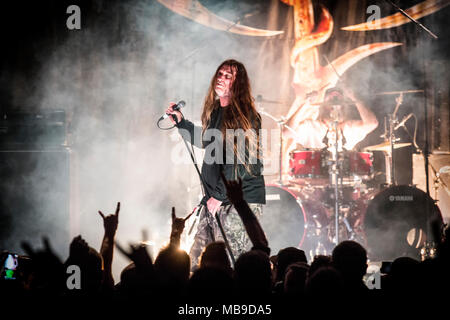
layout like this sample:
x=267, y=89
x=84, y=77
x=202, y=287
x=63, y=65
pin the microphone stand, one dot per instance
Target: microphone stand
x=209, y=214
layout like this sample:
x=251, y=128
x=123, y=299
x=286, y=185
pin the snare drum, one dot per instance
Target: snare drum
x=307, y=164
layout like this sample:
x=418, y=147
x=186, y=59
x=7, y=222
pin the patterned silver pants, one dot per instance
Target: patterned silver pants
x=232, y=225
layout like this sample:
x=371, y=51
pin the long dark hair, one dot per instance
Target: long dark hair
x=240, y=114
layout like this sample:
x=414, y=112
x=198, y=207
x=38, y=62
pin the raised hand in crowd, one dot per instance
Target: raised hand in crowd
x=49, y=269
x=177, y=228
x=234, y=189
x=251, y=223
x=139, y=255
x=110, y=223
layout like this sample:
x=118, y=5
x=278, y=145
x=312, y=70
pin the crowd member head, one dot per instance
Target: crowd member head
x=350, y=259
x=325, y=283
x=132, y=282
x=210, y=284
x=320, y=261
x=295, y=278
x=90, y=263
x=404, y=274
x=287, y=256
x=129, y=280
x=172, y=268
x=215, y=256
x=252, y=274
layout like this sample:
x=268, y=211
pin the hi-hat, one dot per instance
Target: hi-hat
x=386, y=146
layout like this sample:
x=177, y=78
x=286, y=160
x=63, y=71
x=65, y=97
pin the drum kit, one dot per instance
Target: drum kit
x=329, y=196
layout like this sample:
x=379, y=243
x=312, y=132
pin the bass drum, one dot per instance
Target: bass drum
x=289, y=221
x=396, y=223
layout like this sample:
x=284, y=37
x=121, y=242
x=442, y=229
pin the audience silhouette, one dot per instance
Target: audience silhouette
x=255, y=276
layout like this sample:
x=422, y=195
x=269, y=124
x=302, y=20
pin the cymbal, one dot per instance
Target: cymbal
x=398, y=92
x=386, y=146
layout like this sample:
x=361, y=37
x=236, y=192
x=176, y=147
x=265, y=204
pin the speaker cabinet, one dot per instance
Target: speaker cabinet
x=34, y=198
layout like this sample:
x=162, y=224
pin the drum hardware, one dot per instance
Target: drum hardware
x=336, y=171
x=347, y=170
x=414, y=236
x=397, y=223
x=426, y=151
x=281, y=122
x=307, y=163
x=427, y=251
x=390, y=143
x=335, y=179
x=385, y=146
x=398, y=92
x=284, y=220
x=335, y=165
x=314, y=186
x=259, y=99
x=296, y=217
x=392, y=123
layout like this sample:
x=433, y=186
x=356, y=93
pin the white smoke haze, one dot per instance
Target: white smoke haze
x=114, y=81
x=116, y=76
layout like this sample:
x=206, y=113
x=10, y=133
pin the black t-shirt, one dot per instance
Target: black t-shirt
x=253, y=185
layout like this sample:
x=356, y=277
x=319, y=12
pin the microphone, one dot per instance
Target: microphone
x=402, y=123
x=177, y=107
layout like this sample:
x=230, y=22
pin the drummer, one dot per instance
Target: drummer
x=320, y=133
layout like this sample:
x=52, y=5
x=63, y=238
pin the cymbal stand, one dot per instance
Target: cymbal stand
x=393, y=121
x=335, y=173
x=281, y=122
x=336, y=178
